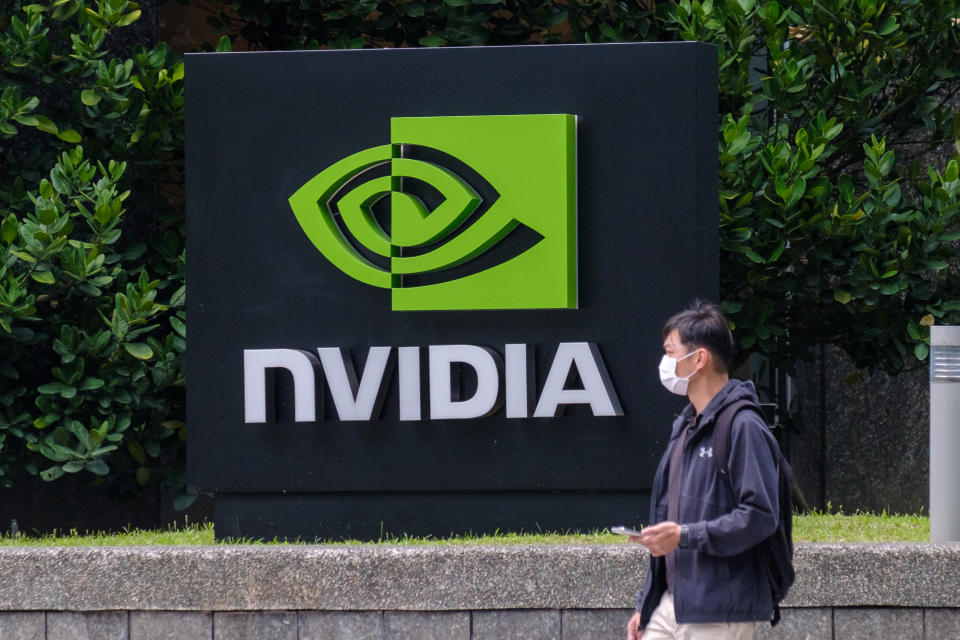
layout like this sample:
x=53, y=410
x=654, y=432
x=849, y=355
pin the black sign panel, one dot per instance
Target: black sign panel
x=272, y=275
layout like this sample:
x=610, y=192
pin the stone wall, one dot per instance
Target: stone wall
x=843, y=592
x=866, y=439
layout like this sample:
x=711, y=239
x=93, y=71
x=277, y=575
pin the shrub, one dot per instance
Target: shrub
x=91, y=248
x=352, y=24
x=832, y=230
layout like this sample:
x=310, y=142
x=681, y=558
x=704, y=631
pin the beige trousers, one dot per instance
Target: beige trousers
x=663, y=626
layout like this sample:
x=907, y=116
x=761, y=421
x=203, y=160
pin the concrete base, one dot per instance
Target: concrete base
x=450, y=593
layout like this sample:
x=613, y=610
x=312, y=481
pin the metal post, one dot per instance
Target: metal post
x=945, y=434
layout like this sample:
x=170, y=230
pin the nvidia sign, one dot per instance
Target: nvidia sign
x=492, y=177
x=431, y=304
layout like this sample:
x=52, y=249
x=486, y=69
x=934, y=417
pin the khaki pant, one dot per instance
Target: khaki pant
x=663, y=626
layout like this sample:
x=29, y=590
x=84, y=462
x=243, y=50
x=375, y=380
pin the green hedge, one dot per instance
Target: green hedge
x=92, y=330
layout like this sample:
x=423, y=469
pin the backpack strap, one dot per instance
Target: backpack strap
x=721, y=433
x=777, y=551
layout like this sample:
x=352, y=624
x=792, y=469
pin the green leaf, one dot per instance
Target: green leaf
x=44, y=277
x=952, y=171
x=608, y=32
x=139, y=350
x=129, y=19
x=98, y=466
x=73, y=466
x=888, y=288
x=892, y=195
x=834, y=131
x=797, y=189
x=52, y=473
x=841, y=296
x=46, y=125
x=52, y=387
x=913, y=331
x=754, y=256
x=46, y=211
x=136, y=451
x=178, y=297
x=888, y=26
x=89, y=384
x=224, y=45
x=921, y=351
x=89, y=97
x=143, y=476
x=778, y=251
x=845, y=187
x=179, y=326
x=58, y=453
x=781, y=187
x=184, y=500
x=9, y=229
x=412, y=9
x=70, y=135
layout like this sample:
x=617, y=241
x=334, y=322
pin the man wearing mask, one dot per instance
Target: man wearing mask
x=705, y=580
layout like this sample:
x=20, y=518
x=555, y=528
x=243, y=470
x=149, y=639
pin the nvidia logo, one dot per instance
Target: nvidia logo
x=459, y=212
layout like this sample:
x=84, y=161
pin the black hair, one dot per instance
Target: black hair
x=702, y=325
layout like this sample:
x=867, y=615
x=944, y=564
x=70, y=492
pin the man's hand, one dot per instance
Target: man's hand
x=633, y=632
x=660, y=538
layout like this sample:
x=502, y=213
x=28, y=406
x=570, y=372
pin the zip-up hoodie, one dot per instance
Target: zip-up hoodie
x=719, y=577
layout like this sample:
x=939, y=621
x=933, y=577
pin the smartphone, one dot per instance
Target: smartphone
x=624, y=531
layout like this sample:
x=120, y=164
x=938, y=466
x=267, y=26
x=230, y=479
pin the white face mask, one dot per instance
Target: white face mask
x=668, y=374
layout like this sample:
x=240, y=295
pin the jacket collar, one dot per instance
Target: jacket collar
x=733, y=391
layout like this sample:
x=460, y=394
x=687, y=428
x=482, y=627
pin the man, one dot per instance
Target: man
x=705, y=579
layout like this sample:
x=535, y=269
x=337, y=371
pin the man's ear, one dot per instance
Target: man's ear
x=704, y=358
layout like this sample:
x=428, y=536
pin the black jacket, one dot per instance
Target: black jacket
x=719, y=576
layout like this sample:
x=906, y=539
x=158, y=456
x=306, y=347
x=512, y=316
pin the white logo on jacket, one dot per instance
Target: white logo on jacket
x=706, y=452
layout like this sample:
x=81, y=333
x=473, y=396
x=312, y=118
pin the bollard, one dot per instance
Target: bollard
x=944, y=434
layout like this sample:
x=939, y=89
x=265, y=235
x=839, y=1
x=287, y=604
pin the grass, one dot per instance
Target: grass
x=860, y=527
x=814, y=527
x=194, y=534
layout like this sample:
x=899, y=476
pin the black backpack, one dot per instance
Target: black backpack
x=777, y=550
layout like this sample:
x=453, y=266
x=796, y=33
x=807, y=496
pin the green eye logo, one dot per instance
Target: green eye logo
x=459, y=212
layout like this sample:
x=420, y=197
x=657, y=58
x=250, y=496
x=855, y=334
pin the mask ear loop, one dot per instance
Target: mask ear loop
x=696, y=363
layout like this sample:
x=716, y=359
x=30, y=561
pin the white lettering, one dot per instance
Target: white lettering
x=362, y=400
x=516, y=375
x=443, y=404
x=597, y=389
x=355, y=401
x=301, y=366
x=408, y=369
